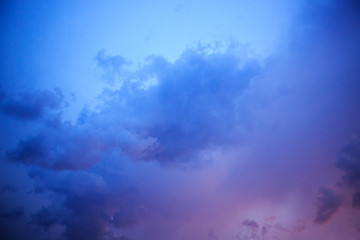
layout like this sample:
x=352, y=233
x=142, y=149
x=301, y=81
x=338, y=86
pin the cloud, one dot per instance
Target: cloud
x=85, y=205
x=46, y=218
x=114, y=67
x=196, y=105
x=127, y=218
x=7, y=188
x=111, y=237
x=13, y=214
x=32, y=106
x=77, y=146
x=271, y=228
x=181, y=112
x=110, y=62
x=66, y=147
x=193, y=106
x=349, y=163
x=328, y=203
x=250, y=223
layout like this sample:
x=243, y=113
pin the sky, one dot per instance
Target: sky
x=174, y=120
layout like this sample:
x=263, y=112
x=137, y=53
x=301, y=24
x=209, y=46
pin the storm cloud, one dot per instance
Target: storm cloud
x=194, y=105
x=13, y=214
x=32, y=106
x=210, y=141
x=86, y=204
x=328, y=203
x=349, y=163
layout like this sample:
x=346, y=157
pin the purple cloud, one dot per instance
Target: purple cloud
x=328, y=203
x=349, y=163
x=250, y=223
x=261, y=136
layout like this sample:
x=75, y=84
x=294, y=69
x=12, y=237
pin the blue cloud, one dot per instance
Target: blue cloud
x=32, y=106
x=86, y=204
x=7, y=188
x=114, y=67
x=65, y=147
x=47, y=217
x=13, y=214
x=194, y=105
x=174, y=113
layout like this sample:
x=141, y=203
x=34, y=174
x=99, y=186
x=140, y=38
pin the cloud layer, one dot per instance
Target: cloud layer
x=194, y=105
x=217, y=144
x=349, y=163
x=32, y=106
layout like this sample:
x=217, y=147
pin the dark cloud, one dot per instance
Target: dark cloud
x=249, y=229
x=169, y=112
x=67, y=147
x=270, y=228
x=127, y=218
x=195, y=104
x=349, y=163
x=7, y=188
x=335, y=25
x=250, y=223
x=112, y=237
x=328, y=202
x=85, y=205
x=13, y=214
x=46, y=218
x=31, y=106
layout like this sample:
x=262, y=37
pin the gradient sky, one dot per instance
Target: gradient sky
x=180, y=120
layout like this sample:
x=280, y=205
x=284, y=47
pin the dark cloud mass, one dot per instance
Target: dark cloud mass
x=250, y=223
x=127, y=218
x=349, y=163
x=65, y=147
x=188, y=106
x=13, y=214
x=194, y=105
x=31, y=106
x=46, y=217
x=7, y=188
x=328, y=203
x=86, y=205
x=266, y=129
